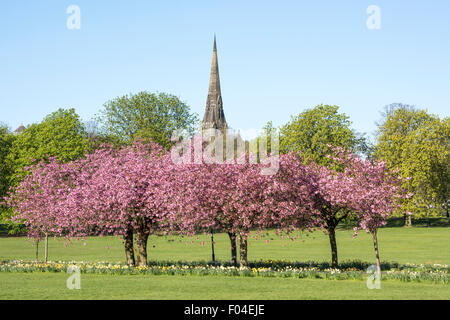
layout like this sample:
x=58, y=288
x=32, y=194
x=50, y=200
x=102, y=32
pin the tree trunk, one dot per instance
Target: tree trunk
x=46, y=249
x=446, y=209
x=243, y=250
x=334, y=254
x=377, y=254
x=446, y=205
x=129, y=250
x=428, y=206
x=212, y=246
x=142, y=247
x=37, y=250
x=408, y=220
x=233, y=248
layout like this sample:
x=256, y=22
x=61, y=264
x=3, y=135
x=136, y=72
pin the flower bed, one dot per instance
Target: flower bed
x=353, y=270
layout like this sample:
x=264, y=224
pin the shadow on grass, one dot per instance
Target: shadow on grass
x=400, y=223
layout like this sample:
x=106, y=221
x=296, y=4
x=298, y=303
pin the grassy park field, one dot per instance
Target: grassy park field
x=417, y=245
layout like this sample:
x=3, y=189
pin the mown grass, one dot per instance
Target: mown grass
x=44, y=286
x=403, y=245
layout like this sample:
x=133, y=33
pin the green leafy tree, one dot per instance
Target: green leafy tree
x=441, y=169
x=313, y=131
x=147, y=115
x=61, y=134
x=426, y=161
x=6, y=141
x=417, y=144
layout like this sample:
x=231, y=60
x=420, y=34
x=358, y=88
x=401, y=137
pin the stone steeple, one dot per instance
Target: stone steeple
x=214, y=115
x=19, y=130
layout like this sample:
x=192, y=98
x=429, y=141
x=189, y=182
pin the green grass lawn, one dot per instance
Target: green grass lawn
x=403, y=245
x=53, y=286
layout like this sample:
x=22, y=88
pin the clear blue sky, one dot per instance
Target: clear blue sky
x=276, y=58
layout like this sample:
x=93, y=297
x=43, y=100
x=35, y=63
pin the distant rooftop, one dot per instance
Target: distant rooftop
x=19, y=129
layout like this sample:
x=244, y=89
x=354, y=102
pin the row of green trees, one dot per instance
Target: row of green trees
x=410, y=139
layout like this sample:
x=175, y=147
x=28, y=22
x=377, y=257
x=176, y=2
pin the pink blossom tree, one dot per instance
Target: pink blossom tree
x=210, y=196
x=120, y=192
x=38, y=198
x=315, y=196
x=361, y=188
x=331, y=202
x=375, y=194
x=201, y=193
x=281, y=201
x=112, y=191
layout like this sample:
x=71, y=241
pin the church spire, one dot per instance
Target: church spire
x=214, y=115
